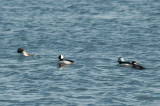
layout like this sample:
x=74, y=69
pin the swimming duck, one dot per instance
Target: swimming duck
x=63, y=61
x=24, y=53
x=134, y=63
x=123, y=63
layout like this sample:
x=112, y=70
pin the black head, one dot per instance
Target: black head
x=61, y=57
x=134, y=63
x=20, y=50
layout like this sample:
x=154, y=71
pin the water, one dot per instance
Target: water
x=93, y=33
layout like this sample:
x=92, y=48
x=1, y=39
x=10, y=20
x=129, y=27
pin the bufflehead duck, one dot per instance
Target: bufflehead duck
x=134, y=63
x=24, y=53
x=123, y=63
x=63, y=61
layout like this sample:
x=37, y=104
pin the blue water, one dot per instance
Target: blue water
x=93, y=33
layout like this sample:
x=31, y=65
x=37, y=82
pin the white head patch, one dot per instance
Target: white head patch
x=61, y=57
x=121, y=59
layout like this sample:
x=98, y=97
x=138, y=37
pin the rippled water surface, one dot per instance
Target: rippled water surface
x=93, y=33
